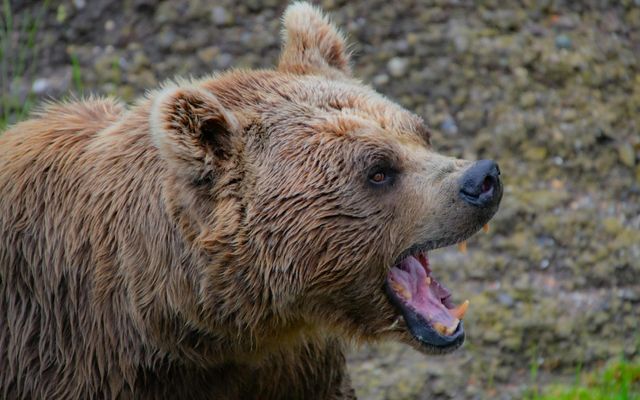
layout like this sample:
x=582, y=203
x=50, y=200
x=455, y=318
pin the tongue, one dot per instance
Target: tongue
x=425, y=295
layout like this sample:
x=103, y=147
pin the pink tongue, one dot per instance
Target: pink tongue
x=424, y=298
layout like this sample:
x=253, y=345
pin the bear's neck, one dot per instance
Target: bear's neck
x=209, y=301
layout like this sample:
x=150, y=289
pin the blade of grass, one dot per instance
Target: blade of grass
x=75, y=72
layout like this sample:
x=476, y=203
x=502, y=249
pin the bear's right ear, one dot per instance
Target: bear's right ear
x=194, y=132
x=312, y=44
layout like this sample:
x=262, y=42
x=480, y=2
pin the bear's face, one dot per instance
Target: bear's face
x=331, y=194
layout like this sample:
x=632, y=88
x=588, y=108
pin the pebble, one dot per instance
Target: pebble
x=449, y=125
x=398, y=66
x=528, y=100
x=208, y=54
x=166, y=38
x=381, y=79
x=40, y=86
x=563, y=42
x=505, y=299
x=220, y=16
x=224, y=60
x=627, y=155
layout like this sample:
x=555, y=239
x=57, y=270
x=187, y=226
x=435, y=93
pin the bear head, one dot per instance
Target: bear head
x=312, y=200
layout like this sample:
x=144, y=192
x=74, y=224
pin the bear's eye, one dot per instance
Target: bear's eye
x=381, y=175
x=378, y=177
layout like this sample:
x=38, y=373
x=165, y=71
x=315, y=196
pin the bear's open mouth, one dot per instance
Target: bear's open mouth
x=425, y=304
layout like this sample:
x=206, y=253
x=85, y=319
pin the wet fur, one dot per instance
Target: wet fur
x=210, y=241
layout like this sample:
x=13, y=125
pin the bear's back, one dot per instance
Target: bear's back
x=66, y=178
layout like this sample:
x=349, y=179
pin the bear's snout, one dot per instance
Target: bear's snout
x=480, y=185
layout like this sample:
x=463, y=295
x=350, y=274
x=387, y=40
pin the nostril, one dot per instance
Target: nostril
x=487, y=184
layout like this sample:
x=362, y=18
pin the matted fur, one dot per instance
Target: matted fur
x=219, y=238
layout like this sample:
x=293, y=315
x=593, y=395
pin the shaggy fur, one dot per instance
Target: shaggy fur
x=219, y=239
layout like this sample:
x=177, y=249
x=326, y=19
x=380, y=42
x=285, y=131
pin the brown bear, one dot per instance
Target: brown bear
x=225, y=237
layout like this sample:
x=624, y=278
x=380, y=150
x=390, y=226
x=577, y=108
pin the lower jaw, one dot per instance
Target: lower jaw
x=422, y=335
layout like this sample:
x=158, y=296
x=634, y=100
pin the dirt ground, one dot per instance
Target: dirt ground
x=550, y=89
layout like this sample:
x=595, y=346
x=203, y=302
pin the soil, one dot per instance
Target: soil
x=550, y=89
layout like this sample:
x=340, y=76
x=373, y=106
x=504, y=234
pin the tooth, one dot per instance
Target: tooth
x=462, y=246
x=427, y=280
x=485, y=228
x=440, y=328
x=401, y=290
x=452, y=328
x=459, y=311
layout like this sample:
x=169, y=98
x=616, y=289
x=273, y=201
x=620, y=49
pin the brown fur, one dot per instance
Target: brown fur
x=216, y=240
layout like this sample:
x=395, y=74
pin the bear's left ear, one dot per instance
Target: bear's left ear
x=311, y=44
x=194, y=132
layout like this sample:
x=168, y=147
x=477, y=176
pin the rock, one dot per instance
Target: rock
x=208, y=54
x=627, y=155
x=397, y=66
x=40, y=86
x=166, y=12
x=537, y=153
x=505, y=299
x=223, y=61
x=220, y=16
x=166, y=38
x=449, y=125
x=145, y=79
x=139, y=62
x=563, y=42
x=381, y=79
x=528, y=100
x=521, y=74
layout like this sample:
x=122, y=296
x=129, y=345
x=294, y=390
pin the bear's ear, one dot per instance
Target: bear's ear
x=194, y=132
x=311, y=44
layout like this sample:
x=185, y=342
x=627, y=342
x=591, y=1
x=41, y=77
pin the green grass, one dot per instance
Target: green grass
x=619, y=380
x=18, y=51
x=75, y=73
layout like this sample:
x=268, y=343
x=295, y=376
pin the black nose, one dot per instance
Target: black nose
x=480, y=185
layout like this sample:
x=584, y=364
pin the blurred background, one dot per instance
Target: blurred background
x=550, y=89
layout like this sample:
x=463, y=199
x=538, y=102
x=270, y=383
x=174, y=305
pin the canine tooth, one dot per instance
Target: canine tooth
x=427, y=280
x=462, y=246
x=485, y=228
x=440, y=328
x=459, y=311
x=452, y=328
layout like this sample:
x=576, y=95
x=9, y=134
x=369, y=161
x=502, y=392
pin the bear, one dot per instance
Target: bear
x=227, y=237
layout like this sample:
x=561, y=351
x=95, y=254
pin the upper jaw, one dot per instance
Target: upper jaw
x=432, y=244
x=423, y=247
